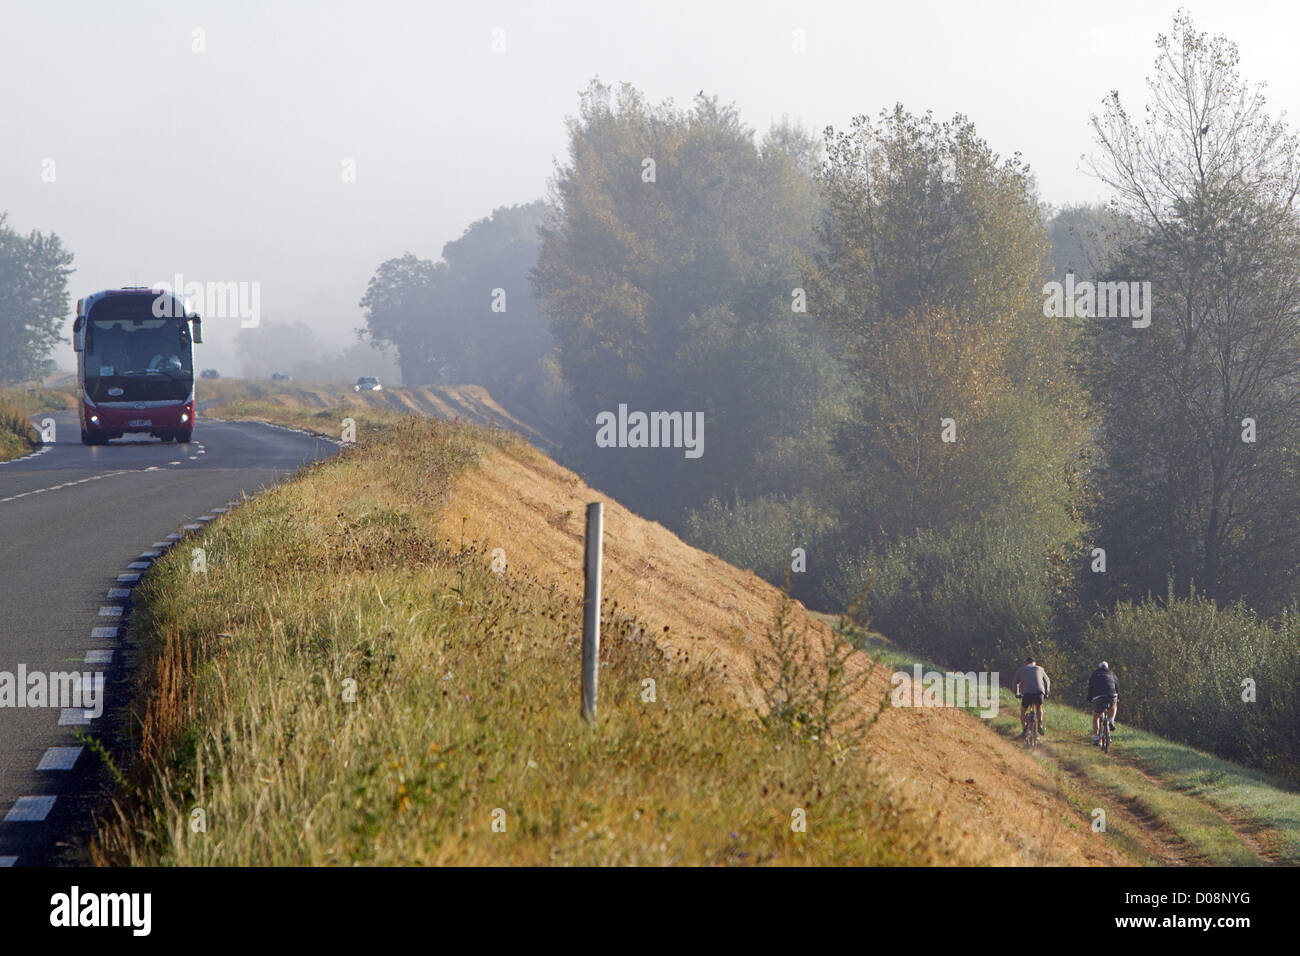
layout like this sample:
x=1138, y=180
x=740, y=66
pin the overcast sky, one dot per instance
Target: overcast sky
x=226, y=165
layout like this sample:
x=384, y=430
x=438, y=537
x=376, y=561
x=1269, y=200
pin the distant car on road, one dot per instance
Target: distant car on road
x=209, y=373
x=367, y=383
x=281, y=377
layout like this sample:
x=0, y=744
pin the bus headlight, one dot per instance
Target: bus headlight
x=184, y=418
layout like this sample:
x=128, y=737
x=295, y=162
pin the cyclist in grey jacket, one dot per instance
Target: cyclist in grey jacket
x=1032, y=685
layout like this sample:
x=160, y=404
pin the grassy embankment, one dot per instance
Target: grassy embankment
x=376, y=568
x=17, y=436
x=463, y=710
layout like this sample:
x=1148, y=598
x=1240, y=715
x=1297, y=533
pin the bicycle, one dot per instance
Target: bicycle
x=1104, y=738
x=1030, y=728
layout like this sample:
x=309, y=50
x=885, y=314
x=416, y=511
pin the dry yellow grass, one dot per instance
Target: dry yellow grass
x=984, y=794
x=465, y=704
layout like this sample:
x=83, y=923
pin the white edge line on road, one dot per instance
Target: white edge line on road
x=30, y=809
x=59, y=758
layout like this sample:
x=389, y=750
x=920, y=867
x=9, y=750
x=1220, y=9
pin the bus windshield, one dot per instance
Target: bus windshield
x=137, y=347
x=131, y=355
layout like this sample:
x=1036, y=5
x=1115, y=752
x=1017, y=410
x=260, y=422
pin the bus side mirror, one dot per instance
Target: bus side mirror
x=196, y=324
x=79, y=335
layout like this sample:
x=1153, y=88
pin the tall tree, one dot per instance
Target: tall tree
x=1202, y=424
x=671, y=275
x=34, y=272
x=933, y=256
x=398, y=302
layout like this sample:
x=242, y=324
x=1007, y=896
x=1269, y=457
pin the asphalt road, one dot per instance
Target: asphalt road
x=72, y=518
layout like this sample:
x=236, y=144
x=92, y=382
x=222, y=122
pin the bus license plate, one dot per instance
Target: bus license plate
x=140, y=422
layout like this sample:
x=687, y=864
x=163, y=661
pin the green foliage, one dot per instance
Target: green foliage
x=933, y=253
x=1181, y=663
x=34, y=272
x=977, y=596
x=759, y=535
x=812, y=682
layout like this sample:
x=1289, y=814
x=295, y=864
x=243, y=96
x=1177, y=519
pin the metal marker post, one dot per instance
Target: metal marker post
x=591, y=610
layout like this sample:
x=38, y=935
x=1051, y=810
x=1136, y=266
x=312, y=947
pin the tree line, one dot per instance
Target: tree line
x=889, y=408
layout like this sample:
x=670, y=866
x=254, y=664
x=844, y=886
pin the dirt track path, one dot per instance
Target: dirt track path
x=1243, y=830
x=1153, y=832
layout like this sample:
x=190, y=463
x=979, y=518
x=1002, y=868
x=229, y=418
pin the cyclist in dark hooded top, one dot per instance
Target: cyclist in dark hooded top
x=1103, y=691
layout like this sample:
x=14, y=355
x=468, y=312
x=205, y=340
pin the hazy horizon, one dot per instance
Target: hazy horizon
x=225, y=165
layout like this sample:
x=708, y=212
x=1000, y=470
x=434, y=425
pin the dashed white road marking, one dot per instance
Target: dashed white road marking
x=74, y=717
x=191, y=527
x=113, y=611
x=29, y=810
x=139, y=565
x=128, y=578
x=99, y=633
x=68, y=484
x=59, y=758
x=40, y=451
x=98, y=657
x=150, y=555
x=117, y=593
